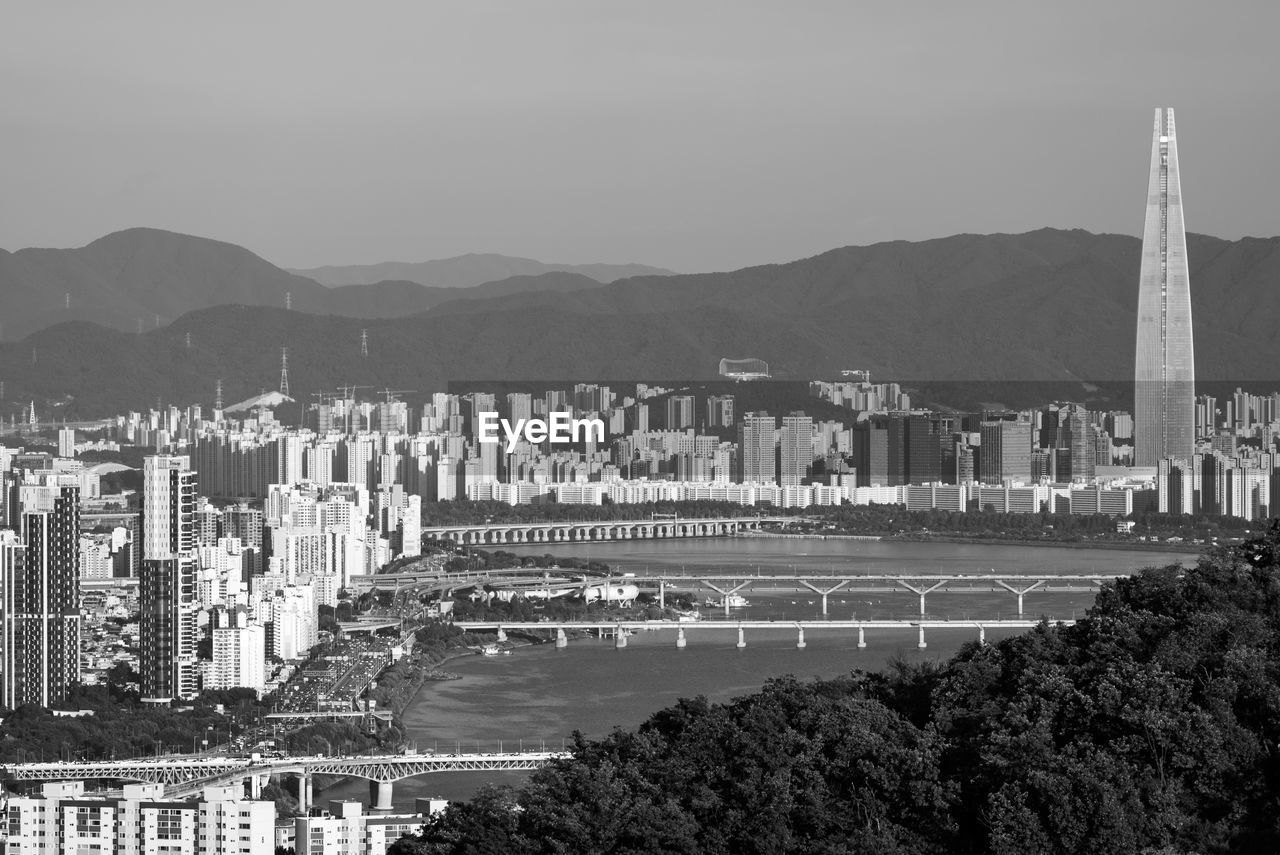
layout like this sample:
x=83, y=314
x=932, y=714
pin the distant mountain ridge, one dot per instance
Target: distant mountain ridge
x=1050, y=306
x=465, y=271
x=144, y=278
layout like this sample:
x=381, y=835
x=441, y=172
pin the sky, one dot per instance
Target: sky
x=691, y=135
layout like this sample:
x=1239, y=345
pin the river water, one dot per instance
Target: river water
x=540, y=695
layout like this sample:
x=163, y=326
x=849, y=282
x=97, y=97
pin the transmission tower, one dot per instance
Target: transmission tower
x=66, y=299
x=284, y=371
x=217, y=395
x=188, y=338
x=364, y=342
x=288, y=300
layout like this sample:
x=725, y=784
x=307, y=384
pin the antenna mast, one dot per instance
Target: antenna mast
x=284, y=371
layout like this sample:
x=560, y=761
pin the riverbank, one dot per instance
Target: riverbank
x=809, y=536
x=1128, y=546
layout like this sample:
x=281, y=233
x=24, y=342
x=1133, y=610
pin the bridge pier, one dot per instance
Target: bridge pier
x=827, y=592
x=982, y=634
x=921, y=592
x=862, y=638
x=1020, y=593
x=742, y=640
x=680, y=640
x=619, y=639
x=562, y=640
x=502, y=634
x=662, y=595
x=305, y=794
x=800, y=642
x=921, y=643
x=380, y=793
x=724, y=593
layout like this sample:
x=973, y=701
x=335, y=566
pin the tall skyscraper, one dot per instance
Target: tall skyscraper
x=167, y=588
x=40, y=602
x=1164, y=369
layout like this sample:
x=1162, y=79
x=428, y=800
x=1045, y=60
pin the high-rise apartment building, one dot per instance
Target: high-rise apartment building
x=757, y=461
x=167, y=588
x=239, y=656
x=719, y=411
x=795, y=444
x=40, y=599
x=1164, y=368
x=680, y=412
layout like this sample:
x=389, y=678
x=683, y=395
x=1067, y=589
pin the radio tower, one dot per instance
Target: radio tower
x=284, y=371
x=217, y=395
x=67, y=300
x=188, y=338
x=288, y=300
x=364, y=342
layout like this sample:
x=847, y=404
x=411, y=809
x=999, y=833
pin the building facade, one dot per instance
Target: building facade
x=167, y=587
x=40, y=598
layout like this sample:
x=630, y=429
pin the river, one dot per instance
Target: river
x=540, y=695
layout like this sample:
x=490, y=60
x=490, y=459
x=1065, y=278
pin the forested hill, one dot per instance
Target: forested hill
x=1152, y=727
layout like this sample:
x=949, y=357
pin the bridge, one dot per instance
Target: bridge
x=598, y=530
x=821, y=583
x=183, y=776
x=621, y=629
x=920, y=585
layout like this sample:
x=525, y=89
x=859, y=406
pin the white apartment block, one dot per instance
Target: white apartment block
x=239, y=656
x=141, y=822
x=345, y=829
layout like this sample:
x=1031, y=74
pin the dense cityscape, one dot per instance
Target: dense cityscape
x=895, y=504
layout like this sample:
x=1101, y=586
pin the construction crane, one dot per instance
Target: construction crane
x=349, y=391
x=391, y=393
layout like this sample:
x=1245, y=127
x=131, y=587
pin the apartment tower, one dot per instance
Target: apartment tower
x=167, y=587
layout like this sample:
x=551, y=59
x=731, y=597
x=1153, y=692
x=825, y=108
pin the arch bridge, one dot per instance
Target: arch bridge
x=491, y=534
x=183, y=776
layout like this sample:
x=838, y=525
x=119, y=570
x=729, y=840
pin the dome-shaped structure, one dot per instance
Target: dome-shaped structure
x=744, y=369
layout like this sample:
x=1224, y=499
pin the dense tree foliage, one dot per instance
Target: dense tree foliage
x=1151, y=727
x=115, y=725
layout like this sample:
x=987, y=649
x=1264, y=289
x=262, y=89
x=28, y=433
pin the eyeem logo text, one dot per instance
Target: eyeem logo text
x=560, y=429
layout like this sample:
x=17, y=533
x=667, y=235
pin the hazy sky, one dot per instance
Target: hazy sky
x=693, y=135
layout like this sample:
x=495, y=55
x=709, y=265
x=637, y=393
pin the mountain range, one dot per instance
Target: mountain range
x=465, y=271
x=1051, y=308
x=144, y=278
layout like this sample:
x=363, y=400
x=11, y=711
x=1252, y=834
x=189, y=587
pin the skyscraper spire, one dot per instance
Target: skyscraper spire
x=1164, y=367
